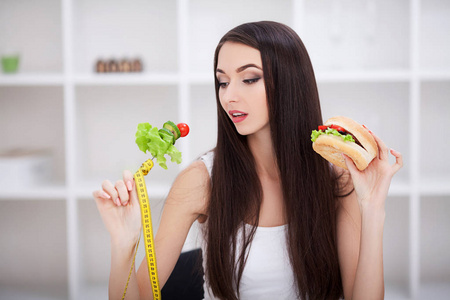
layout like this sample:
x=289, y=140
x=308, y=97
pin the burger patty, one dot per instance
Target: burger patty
x=354, y=137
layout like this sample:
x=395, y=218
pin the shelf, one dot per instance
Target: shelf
x=435, y=75
x=399, y=188
x=31, y=79
x=118, y=79
x=196, y=78
x=45, y=79
x=201, y=78
x=51, y=192
x=437, y=186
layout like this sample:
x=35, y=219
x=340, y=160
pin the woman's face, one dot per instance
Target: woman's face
x=241, y=87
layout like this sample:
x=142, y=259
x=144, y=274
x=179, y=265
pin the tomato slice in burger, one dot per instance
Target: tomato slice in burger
x=338, y=128
x=323, y=127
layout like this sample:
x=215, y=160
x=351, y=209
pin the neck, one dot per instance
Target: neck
x=260, y=145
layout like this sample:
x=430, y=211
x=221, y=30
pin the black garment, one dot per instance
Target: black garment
x=186, y=280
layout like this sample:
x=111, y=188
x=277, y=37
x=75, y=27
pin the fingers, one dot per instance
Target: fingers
x=384, y=153
x=100, y=197
x=101, y=194
x=398, y=160
x=128, y=179
x=119, y=193
x=109, y=188
x=350, y=164
x=122, y=191
x=133, y=195
x=383, y=150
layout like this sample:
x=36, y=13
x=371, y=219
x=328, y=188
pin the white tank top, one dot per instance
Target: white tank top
x=267, y=273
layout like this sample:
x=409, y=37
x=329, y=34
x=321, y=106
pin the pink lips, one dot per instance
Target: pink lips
x=237, y=119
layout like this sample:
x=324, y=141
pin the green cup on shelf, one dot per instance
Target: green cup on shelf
x=10, y=63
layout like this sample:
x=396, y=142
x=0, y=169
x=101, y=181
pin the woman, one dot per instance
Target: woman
x=279, y=221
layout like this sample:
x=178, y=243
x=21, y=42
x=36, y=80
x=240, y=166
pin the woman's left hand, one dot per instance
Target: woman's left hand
x=372, y=184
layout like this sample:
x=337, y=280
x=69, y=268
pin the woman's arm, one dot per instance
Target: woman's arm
x=360, y=249
x=185, y=203
x=360, y=223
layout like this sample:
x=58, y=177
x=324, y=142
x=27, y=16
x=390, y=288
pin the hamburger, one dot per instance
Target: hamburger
x=343, y=135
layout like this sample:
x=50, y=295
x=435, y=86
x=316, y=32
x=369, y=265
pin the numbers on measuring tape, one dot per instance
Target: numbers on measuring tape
x=148, y=231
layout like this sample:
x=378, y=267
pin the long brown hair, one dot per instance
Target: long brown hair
x=309, y=185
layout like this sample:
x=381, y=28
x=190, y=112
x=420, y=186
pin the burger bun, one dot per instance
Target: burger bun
x=332, y=147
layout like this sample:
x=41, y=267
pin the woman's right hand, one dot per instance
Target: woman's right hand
x=119, y=208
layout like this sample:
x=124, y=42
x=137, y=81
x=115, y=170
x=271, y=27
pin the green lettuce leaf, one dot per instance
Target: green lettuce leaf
x=141, y=136
x=316, y=133
x=349, y=138
x=175, y=155
x=149, y=139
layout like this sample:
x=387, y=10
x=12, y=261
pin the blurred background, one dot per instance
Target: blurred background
x=79, y=75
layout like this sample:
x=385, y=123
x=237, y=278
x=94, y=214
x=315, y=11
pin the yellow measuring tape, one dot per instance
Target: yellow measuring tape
x=147, y=228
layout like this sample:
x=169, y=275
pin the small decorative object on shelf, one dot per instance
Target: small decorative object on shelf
x=10, y=62
x=20, y=168
x=123, y=65
x=137, y=65
x=100, y=67
x=112, y=66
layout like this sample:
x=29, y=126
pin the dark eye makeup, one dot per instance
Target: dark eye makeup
x=246, y=81
x=253, y=80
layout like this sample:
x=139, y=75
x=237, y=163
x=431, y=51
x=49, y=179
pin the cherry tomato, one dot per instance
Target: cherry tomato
x=323, y=127
x=184, y=129
x=338, y=128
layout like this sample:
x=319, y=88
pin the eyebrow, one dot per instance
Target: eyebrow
x=240, y=69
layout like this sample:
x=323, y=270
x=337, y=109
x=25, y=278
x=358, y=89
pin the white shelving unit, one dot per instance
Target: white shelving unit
x=384, y=63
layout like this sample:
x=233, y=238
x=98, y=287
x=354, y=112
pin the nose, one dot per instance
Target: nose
x=230, y=93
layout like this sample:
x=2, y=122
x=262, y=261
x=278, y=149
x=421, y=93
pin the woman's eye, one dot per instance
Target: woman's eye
x=223, y=84
x=250, y=81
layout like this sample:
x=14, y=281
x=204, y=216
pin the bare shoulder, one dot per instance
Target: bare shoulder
x=191, y=189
